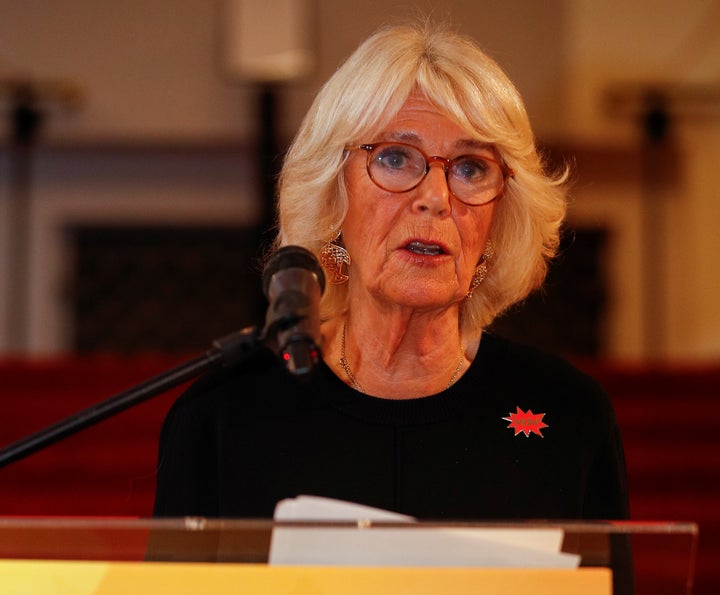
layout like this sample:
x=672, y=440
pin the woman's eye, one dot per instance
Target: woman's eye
x=393, y=158
x=471, y=169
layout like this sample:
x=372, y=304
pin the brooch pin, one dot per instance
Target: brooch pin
x=526, y=422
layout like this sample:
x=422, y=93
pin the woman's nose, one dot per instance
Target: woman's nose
x=433, y=193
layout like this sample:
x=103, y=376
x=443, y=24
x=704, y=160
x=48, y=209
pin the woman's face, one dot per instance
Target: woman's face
x=417, y=248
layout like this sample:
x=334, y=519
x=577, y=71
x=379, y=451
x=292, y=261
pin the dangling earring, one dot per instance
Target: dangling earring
x=332, y=258
x=481, y=269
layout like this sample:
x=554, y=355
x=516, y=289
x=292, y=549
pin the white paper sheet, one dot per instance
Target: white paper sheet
x=366, y=545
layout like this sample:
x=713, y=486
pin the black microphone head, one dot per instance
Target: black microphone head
x=293, y=282
x=292, y=257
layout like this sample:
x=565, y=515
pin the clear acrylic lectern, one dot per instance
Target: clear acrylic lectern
x=192, y=555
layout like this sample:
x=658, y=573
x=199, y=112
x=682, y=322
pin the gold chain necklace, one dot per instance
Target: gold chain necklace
x=356, y=384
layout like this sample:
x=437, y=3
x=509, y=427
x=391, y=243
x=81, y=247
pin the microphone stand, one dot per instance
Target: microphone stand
x=226, y=351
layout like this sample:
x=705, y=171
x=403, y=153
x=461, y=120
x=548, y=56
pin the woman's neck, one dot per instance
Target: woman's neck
x=397, y=357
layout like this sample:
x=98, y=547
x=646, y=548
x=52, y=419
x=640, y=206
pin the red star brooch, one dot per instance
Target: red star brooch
x=526, y=422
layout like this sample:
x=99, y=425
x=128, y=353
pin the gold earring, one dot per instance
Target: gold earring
x=332, y=258
x=481, y=269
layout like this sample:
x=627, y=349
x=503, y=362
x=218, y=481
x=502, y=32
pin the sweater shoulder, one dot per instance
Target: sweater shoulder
x=257, y=375
x=524, y=368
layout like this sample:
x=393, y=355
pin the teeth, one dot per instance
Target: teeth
x=420, y=248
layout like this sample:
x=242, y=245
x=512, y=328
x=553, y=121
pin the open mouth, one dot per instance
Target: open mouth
x=425, y=249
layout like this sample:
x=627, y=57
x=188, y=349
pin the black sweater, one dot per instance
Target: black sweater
x=239, y=440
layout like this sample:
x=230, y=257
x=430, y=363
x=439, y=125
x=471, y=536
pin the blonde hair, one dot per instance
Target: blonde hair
x=464, y=83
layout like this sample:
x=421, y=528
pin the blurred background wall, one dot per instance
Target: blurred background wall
x=136, y=137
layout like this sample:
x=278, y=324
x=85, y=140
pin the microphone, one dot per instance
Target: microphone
x=293, y=283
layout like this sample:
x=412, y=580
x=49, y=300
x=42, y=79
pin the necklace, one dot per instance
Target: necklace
x=356, y=384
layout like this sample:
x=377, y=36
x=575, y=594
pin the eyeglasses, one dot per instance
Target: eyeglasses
x=399, y=167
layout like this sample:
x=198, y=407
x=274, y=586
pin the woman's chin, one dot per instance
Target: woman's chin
x=424, y=296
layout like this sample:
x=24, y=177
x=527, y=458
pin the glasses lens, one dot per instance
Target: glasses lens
x=475, y=180
x=396, y=167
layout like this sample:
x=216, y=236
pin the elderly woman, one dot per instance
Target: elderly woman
x=415, y=180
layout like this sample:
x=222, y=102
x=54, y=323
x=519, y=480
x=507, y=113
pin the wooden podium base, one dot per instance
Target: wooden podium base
x=31, y=577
